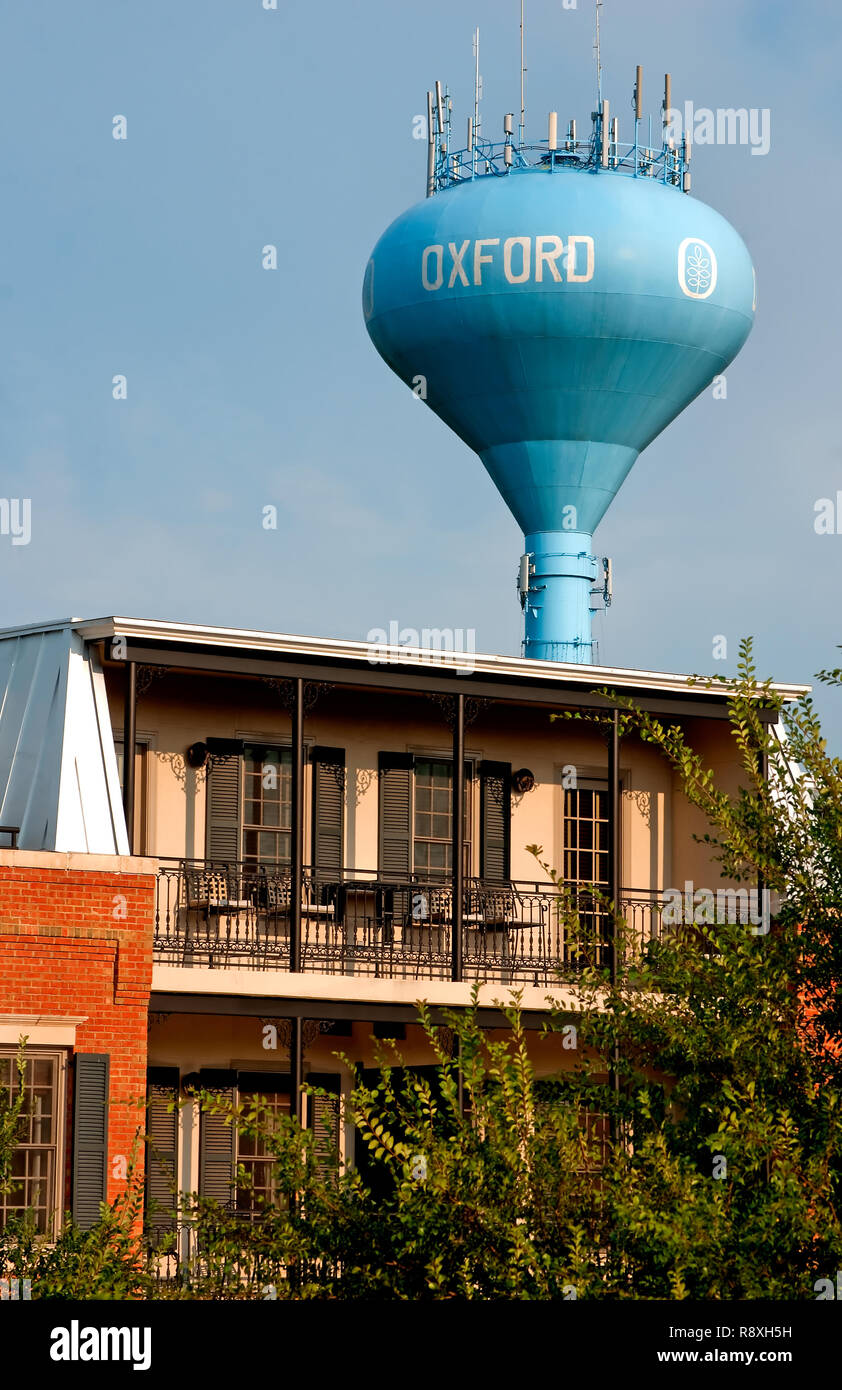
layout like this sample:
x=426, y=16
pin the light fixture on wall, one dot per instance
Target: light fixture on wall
x=196, y=755
x=523, y=781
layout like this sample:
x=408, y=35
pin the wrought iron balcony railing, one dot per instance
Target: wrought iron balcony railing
x=238, y=915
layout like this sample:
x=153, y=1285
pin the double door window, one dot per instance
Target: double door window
x=432, y=843
x=267, y=806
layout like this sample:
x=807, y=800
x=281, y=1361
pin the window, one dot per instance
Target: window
x=267, y=805
x=416, y=816
x=253, y=1154
x=34, y=1166
x=433, y=818
x=586, y=835
x=594, y=1126
x=585, y=857
x=596, y=1140
x=223, y=1150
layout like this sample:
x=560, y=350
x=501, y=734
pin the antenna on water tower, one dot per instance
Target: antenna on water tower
x=522, y=74
x=598, y=52
x=667, y=102
x=431, y=148
x=477, y=84
x=637, y=103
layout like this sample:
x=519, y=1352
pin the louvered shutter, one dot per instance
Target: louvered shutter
x=222, y=841
x=218, y=1141
x=467, y=834
x=328, y=808
x=90, y=1136
x=495, y=820
x=323, y=1115
x=162, y=1090
x=395, y=773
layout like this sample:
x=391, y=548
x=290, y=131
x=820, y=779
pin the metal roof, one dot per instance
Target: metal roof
x=59, y=782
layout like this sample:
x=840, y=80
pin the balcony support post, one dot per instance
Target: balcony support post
x=296, y=1066
x=129, y=740
x=614, y=871
x=297, y=825
x=765, y=918
x=614, y=837
x=458, y=867
x=296, y=1047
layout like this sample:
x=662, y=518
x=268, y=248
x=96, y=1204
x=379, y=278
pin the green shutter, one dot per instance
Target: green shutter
x=495, y=820
x=395, y=775
x=328, y=811
x=90, y=1136
x=162, y=1092
x=222, y=840
x=323, y=1118
x=218, y=1141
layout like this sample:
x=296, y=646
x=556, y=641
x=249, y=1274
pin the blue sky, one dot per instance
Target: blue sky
x=248, y=387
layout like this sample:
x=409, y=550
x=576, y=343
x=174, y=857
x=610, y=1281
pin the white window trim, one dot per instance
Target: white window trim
x=40, y=1030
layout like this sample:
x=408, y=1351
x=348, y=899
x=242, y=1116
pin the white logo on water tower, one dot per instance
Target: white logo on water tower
x=696, y=268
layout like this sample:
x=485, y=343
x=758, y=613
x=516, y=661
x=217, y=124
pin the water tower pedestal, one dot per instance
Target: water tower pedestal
x=557, y=603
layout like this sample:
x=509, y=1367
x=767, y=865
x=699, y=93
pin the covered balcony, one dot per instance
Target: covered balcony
x=240, y=915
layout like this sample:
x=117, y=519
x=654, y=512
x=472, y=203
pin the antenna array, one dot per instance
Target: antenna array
x=603, y=151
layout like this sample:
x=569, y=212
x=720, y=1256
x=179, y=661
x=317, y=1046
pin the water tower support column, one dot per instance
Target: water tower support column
x=557, y=607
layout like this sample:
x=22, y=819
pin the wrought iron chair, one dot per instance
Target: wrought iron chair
x=427, y=927
x=273, y=903
x=492, y=915
x=214, y=899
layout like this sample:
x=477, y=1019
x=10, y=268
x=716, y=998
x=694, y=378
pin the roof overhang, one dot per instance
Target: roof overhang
x=248, y=652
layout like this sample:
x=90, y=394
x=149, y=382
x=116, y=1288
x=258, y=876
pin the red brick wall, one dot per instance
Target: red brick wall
x=77, y=942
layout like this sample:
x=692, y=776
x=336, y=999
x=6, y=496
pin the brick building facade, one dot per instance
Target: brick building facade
x=75, y=976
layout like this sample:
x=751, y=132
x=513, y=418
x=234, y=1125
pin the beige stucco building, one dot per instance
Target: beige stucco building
x=296, y=799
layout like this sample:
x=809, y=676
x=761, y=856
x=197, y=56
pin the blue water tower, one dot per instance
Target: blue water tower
x=558, y=304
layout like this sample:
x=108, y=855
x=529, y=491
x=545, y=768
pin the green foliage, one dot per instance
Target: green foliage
x=106, y=1262
x=12, y=1119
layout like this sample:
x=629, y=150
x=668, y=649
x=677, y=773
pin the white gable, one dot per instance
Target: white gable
x=58, y=768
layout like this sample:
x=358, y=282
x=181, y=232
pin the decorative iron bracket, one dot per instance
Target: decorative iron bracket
x=363, y=778
x=284, y=687
x=145, y=675
x=474, y=706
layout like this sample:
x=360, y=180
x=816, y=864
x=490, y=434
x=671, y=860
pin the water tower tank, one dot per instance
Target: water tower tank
x=558, y=305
